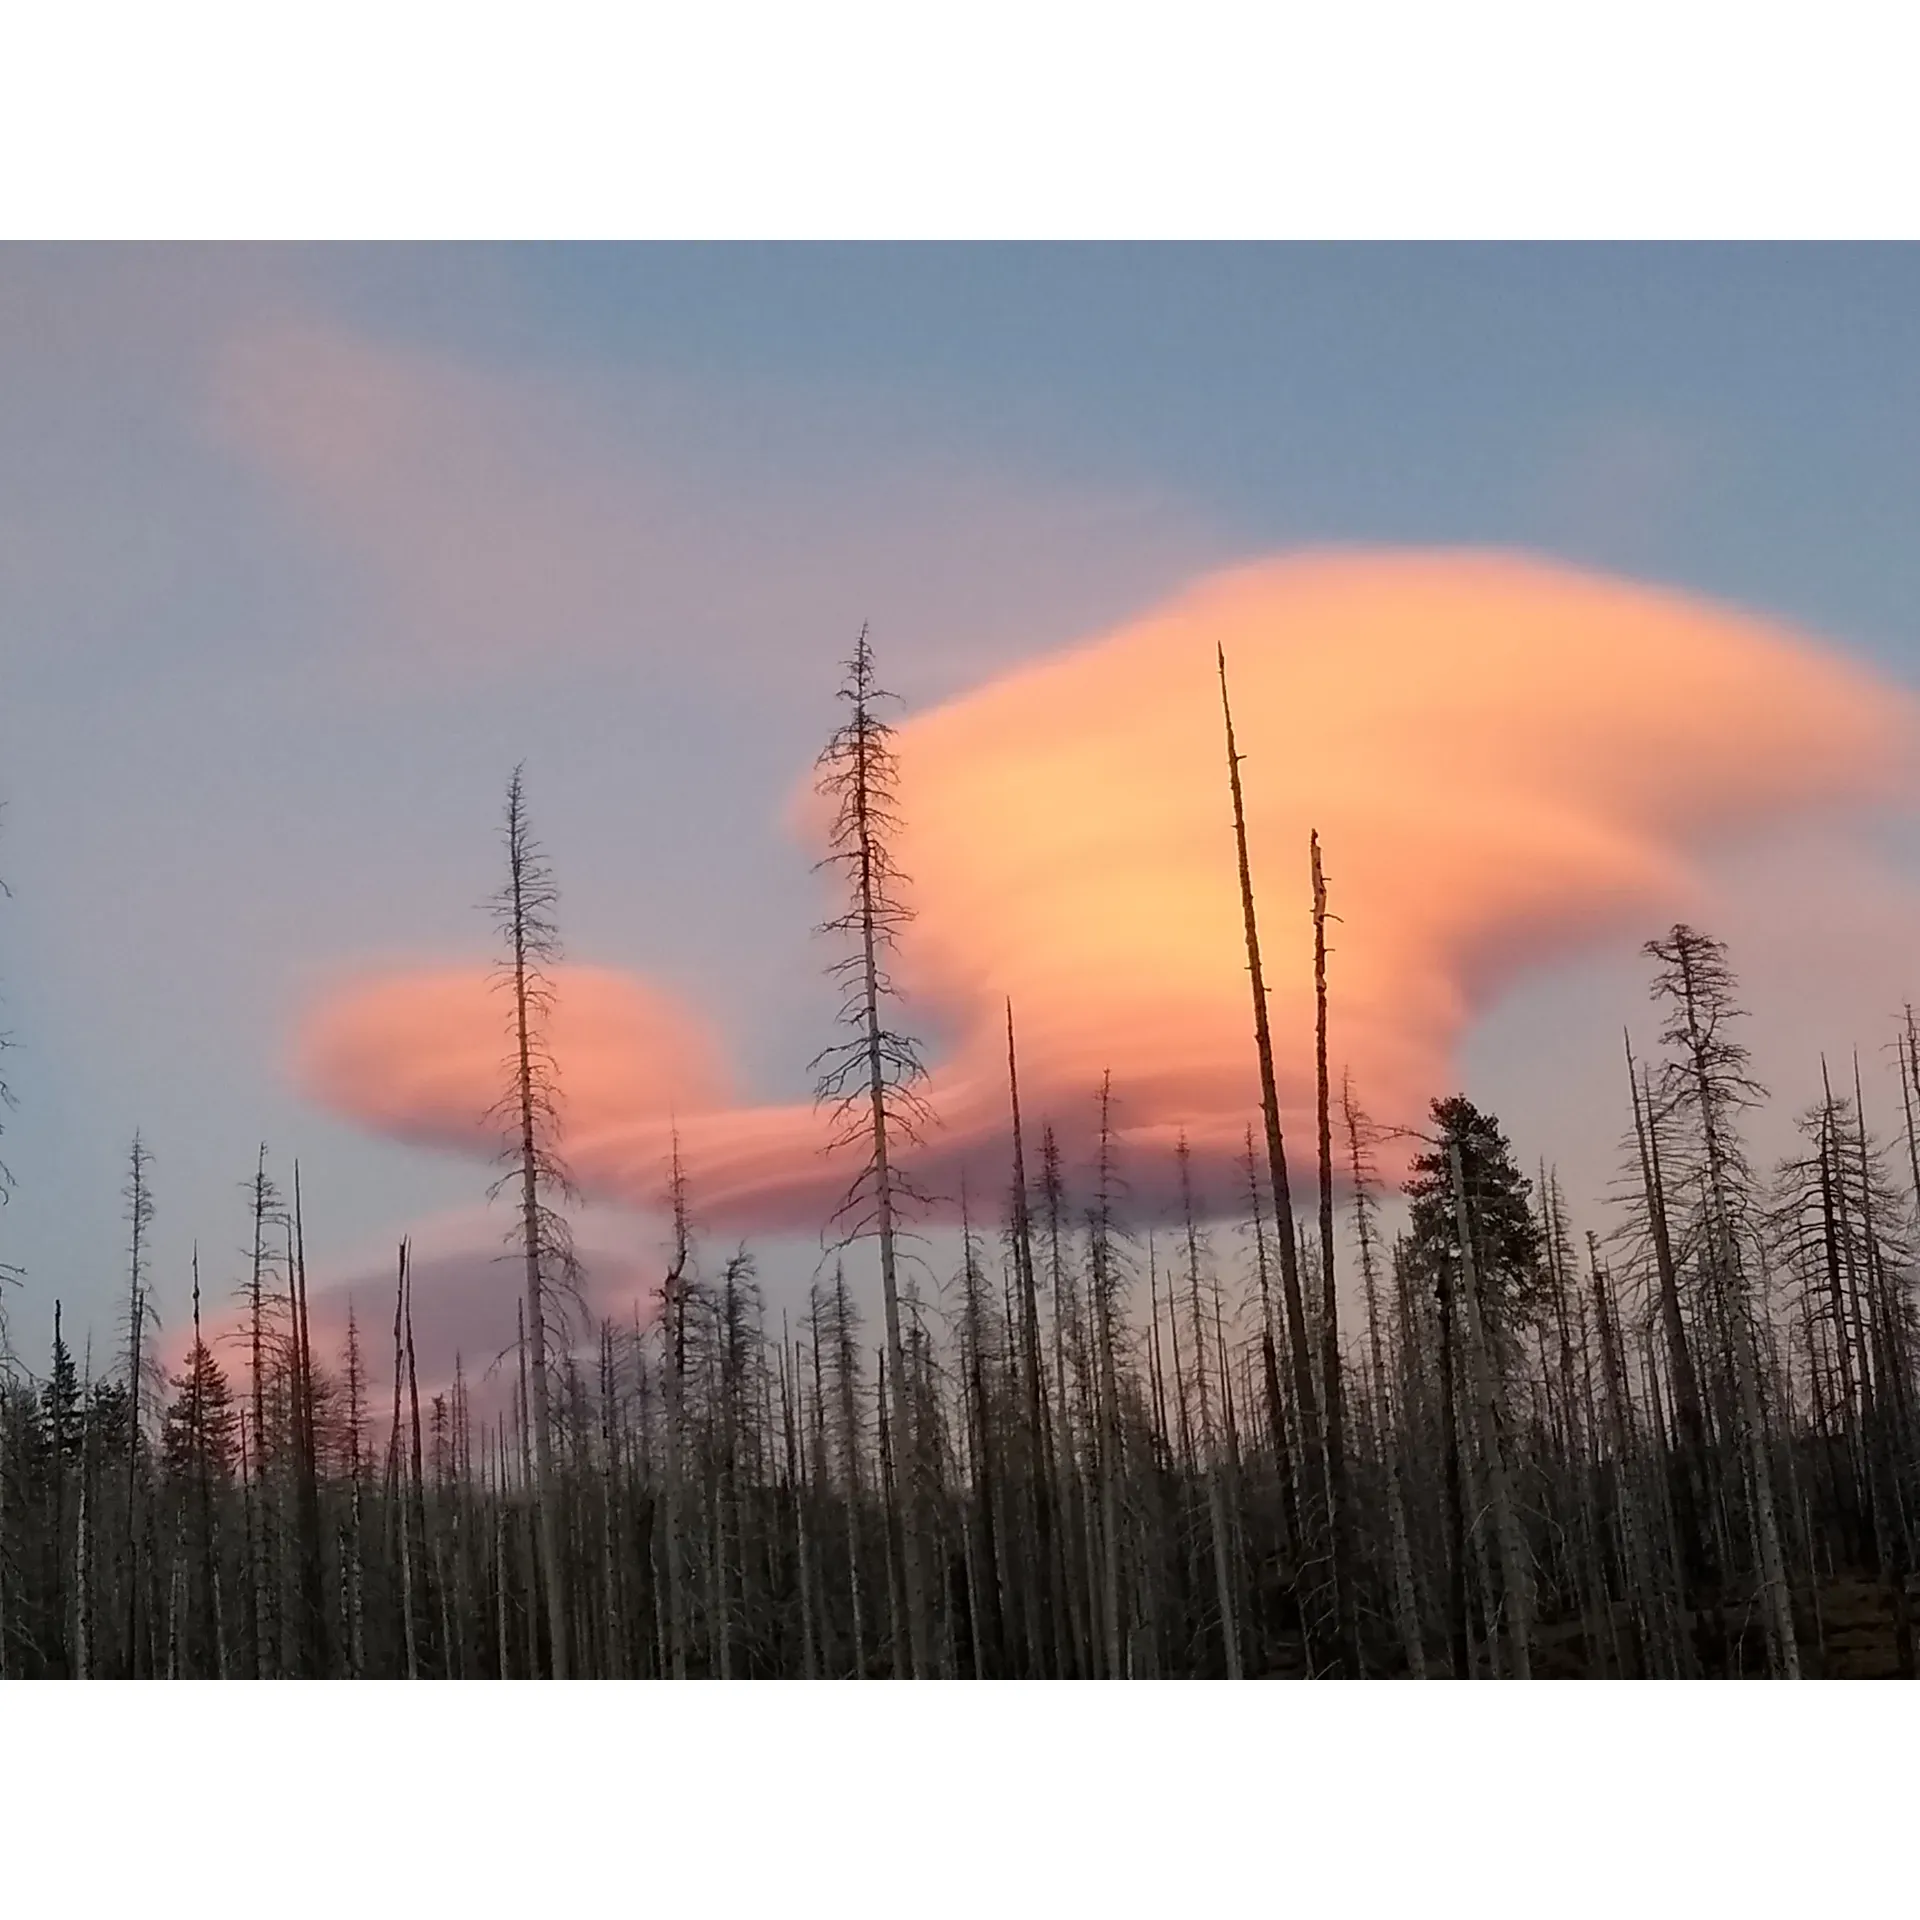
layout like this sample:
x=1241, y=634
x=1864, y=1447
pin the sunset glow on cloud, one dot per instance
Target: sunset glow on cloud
x=419, y=1054
x=1503, y=758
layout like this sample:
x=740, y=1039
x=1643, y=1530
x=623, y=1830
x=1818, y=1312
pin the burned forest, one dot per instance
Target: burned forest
x=1319, y=1421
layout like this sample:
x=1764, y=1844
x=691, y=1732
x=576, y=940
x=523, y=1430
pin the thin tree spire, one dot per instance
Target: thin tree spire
x=1306, y=1399
x=870, y=1083
x=529, y=1112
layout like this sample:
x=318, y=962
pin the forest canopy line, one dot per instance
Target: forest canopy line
x=1100, y=1446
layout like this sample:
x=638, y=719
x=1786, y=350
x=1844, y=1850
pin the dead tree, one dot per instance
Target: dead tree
x=139, y=1197
x=1047, y=1602
x=1339, y=1516
x=1709, y=1084
x=1299, y=1349
x=870, y=1082
x=528, y=1113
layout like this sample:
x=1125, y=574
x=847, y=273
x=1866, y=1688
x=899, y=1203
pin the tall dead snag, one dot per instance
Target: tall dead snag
x=264, y=1203
x=1070, y=1502
x=1708, y=1085
x=1299, y=1350
x=139, y=1197
x=674, y=1288
x=1104, y=1285
x=1047, y=1607
x=399, y=1492
x=417, y=1498
x=352, y=1575
x=528, y=1113
x=870, y=1082
x=315, y=1641
x=1339, y=1514
x=84, y=1521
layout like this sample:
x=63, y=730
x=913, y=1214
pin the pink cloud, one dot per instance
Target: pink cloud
x=422, y=1054
x=1506, y=761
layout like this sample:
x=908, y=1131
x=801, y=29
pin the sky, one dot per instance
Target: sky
x=302, y=550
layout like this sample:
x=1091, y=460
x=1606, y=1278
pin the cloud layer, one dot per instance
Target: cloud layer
x=420, y=1055
x=1503, y=758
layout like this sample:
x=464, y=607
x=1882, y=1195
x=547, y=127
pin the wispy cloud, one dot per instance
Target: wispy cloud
x=509, y=519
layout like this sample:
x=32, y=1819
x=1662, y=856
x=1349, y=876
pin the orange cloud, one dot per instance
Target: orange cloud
x=421, y=1055
x=1503, y=758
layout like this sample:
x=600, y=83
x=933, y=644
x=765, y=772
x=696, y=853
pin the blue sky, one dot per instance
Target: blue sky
x=302, y=549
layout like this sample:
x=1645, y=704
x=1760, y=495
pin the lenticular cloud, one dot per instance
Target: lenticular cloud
x=1504, y=759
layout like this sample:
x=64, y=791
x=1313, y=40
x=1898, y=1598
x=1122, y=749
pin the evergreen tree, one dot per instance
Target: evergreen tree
x=1507, y=1242
x=200, y=1431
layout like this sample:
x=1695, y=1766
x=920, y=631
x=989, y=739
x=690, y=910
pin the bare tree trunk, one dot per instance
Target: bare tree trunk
x=262, y=1484
x=316, y=1651
x=1339, y=1518
x=903, y=1668
x=912, y=1571
x=1306, y=1400
x=525, y=907
x=1733, y=1298
x=400, y=1503
x=140, y=1216
x=1778, y=1602
x=83, y=1583
x=1048, y=1610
